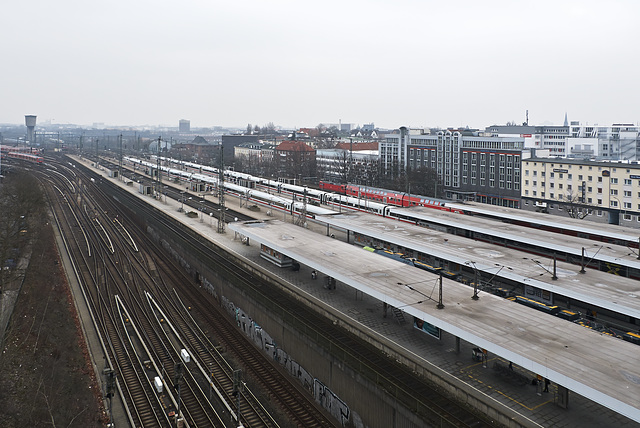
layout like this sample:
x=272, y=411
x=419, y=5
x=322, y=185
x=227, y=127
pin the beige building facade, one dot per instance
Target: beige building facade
x=602, y=191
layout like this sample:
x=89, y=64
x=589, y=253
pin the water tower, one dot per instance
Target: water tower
x=30, y=121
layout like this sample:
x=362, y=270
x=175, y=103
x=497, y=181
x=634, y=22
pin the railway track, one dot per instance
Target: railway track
x=90, y=269
x=111, y=273
x=424, y=398
x=415, y=393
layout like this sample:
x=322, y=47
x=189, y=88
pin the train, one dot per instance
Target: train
x=276, y=202
x=18, y=149
x=271, y=201
x=577, y=318
x=384, y=196
x=387, y=203
x=413, y=262
x=28, y=157
x=358, y=198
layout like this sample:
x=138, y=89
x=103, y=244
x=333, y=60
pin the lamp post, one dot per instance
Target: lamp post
x=621, y=209
x=475, y=280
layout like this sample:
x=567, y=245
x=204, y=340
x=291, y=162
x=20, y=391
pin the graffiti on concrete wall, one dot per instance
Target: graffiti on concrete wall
x=320, y=391
x=331, y=402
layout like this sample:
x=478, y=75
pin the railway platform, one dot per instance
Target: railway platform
x=493, y=376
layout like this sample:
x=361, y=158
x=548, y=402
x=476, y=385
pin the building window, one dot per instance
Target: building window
x=614, y=191
x=627, y=182
x=614, y=180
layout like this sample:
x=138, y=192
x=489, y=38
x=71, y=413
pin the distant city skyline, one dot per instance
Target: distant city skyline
x=298, y=64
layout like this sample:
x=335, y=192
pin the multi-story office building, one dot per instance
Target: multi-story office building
x=552, y=138
x=184, y=126
x=616, y=142
x=470, y=165
x=603, y=191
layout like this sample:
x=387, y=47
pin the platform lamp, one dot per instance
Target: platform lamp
x=440, y=305
x=475, y=279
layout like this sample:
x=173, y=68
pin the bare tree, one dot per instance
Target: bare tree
x=269, y=129
x=574, y=206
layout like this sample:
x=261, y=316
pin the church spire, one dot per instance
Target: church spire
x=566, y=122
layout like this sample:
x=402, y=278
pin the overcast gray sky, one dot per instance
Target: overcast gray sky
x=301, y=63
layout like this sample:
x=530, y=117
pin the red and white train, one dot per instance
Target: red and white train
x=384, y=196
x=28, y=157
x=359, y=198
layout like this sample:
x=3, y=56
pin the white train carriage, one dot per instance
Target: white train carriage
x=276, y=202
x=358, y=204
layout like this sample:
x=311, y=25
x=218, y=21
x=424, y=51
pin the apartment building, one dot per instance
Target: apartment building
x=603, y=191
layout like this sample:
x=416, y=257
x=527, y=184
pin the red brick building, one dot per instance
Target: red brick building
x=295, y=159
